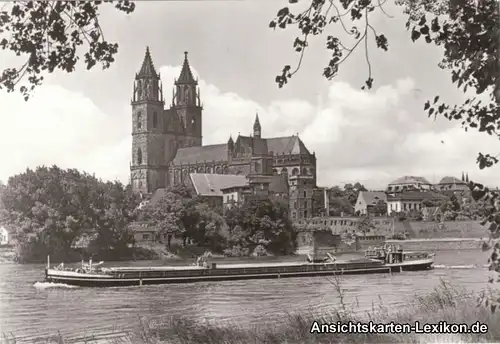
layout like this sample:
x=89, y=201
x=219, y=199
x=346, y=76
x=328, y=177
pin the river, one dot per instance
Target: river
x=32, y=309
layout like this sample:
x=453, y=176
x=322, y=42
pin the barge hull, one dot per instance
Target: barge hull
x=413, y=267
x=122, y=282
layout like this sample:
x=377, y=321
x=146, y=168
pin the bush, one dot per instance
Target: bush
x=237, y=251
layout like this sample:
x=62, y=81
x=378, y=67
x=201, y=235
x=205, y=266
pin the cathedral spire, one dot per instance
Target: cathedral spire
x=256, y=126
x=186, y=76
x=147, y=84
x=147, y=69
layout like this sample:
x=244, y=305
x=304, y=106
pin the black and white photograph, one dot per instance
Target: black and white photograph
x=250, y=171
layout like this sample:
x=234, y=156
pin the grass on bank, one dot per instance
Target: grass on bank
x=445, y=303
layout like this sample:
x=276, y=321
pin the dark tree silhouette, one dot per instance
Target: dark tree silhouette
x=50, y=34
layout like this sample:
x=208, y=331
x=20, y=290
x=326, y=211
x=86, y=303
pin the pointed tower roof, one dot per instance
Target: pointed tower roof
x=256, y=124
x=186, y=76
x=147, y=68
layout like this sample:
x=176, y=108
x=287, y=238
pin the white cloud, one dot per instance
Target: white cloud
x=60, y=127
x=371, y=136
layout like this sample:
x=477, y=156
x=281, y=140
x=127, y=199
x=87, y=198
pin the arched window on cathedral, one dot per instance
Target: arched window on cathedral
x=284, y=173
x=295, y=171
x=139, y=156
x=155, y=119
x=139, y=120
x=193, y=124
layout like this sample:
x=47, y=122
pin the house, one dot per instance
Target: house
x=144, y=233
x=410, y=200
x=452, y=184
x=235, y=194
x=4, y=236
x=409, y=183
x=367, y=200
x=209, y=186
x=223, y=189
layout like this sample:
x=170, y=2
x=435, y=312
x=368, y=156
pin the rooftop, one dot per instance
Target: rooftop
x=416, y=196
x=207, y=184
x=451, y=180
x=410, y=180
x=372, y=197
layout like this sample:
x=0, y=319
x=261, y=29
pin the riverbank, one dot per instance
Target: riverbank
x=446, y=229
x=439, y=244
x=445, y=303
x=161, y=255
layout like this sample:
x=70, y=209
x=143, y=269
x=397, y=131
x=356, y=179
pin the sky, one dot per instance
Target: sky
x=83, y=119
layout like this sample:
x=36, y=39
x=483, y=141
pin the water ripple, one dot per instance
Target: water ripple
x=32, y=309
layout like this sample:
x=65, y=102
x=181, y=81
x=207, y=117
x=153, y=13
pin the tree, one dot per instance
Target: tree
x=366, y=225
x=213, y=231
x=265, y=223
x=468, y=31
x=380, y=207
x=50, y=34
x=174, y=214
x=339, y=205
x=50, y=207
x=415, y=215
x=351, y=192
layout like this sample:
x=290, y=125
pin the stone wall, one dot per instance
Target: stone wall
x=448, y=229
x=438, y=244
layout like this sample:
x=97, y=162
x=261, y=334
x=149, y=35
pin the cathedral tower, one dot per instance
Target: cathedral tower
x=147, y=173
x=257, y=130
x=187, y=105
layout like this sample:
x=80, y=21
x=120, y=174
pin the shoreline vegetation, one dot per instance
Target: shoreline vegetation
x=445, y=303
x=179, y=253
x=145, y=253
x=72, y=215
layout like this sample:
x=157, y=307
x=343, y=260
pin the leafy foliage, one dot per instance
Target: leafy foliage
x=174, y=213
x=468, y=31
x=51, y=207
x=236, y=232
x=343, y=200
x=316, y=18
x=50, y=34
x=264, y=223
x=380, y=207
x=212, y=231
x=366, y=225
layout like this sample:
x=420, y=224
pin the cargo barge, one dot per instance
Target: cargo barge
x=90, y=275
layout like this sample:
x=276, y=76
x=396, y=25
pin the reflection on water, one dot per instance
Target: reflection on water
x=30, y=309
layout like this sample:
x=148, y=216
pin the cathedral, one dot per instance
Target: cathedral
x=167, y=143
